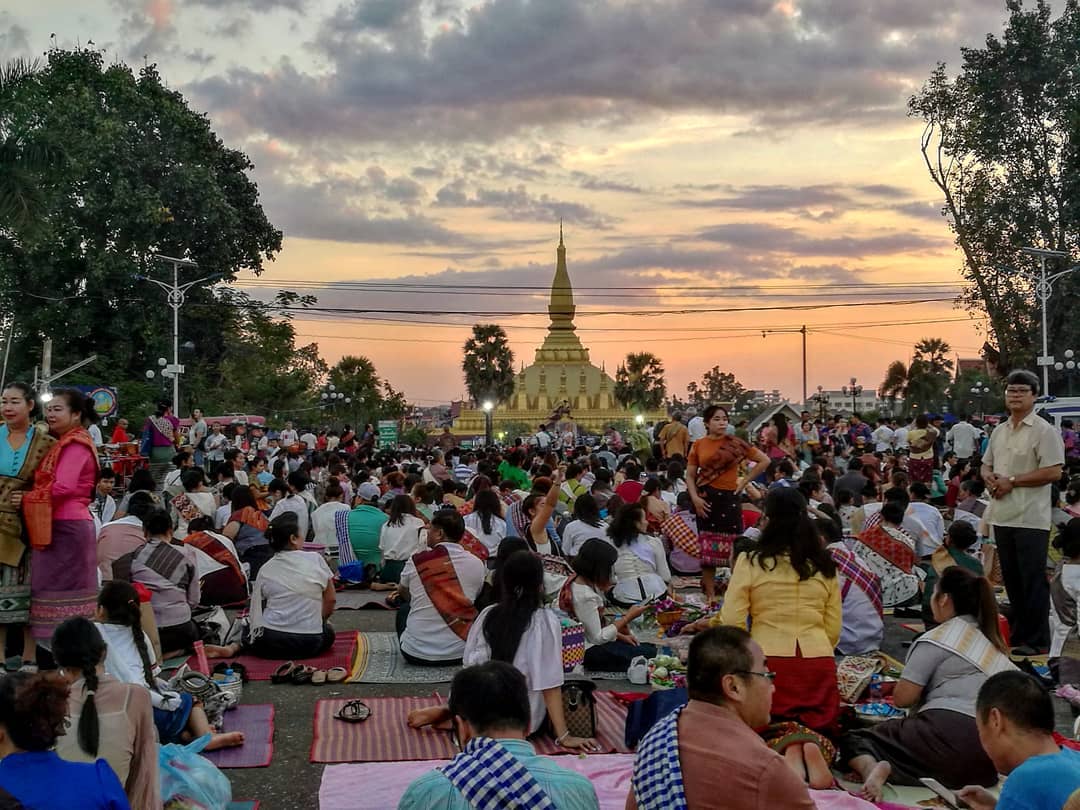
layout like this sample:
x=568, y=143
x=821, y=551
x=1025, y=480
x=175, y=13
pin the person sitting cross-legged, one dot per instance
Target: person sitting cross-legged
x=497, y=767
x=706, y=753
x=1015, y=717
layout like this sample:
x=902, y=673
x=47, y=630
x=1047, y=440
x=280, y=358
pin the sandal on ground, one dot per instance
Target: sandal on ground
x=336, y=674
x=355, y=711
x=302, y=675
x=284, y=673
x=29, y=667
x=318, y=677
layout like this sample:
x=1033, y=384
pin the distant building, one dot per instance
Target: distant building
x=840, y=403
x=562, y=386
x=766, y=398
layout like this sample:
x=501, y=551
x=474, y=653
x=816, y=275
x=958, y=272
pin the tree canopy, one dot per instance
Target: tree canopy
x=488, y=364
x=1001, y=145
x=141, y=173
x=639, y=382
x=716, y=386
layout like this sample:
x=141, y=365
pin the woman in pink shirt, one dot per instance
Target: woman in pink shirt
x=63, y=577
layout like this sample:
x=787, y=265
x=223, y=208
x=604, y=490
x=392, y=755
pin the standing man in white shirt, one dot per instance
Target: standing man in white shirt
x=1023, y=460
x=883, y=437
x=964, y=439
x=196, y=434
x=900, y=437
x=696, y=427
x=95, y=434
x=288, y=436
x=308, y=439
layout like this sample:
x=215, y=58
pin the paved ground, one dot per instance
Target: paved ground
x=292, y=781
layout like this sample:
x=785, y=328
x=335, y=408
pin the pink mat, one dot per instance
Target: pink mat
x=260, y=669
x=386, y=736
x=378, y=785
x=256, y=720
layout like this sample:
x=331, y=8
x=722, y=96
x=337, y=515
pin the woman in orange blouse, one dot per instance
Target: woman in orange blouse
x=788, y=590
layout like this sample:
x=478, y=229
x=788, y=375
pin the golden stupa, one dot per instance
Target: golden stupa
x=562, y=388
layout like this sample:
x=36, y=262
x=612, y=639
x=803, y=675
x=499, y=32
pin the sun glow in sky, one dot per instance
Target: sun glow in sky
x=701, y=153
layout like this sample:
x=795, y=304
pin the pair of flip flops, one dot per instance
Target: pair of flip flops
x=355, y=711
x=299, y=674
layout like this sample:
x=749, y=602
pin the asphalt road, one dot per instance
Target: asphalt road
x=291, y=781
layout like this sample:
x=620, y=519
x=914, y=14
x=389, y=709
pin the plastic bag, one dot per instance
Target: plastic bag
x=190, y=781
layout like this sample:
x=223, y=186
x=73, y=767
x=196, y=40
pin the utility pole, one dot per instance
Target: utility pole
x=803, y=330
x=175, y=295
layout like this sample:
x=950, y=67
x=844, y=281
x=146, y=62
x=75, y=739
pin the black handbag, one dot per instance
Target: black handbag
x=579, y=708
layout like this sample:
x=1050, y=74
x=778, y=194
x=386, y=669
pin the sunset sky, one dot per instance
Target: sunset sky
x=760, y=148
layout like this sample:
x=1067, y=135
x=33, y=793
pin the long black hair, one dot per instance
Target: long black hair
x=120, y=602
x=400, y=506
x=487, y=505
x=790, y=531
x=520, y=596
x=77, y=644
x=586, y=510
x=624, y=526
x=281, y=530
x=973, y=596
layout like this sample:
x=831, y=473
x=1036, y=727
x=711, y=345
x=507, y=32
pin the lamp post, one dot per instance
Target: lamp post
x=980, y=391
x=822, y=400
x=853, y=390
x=162, y=372
x=175, y=295
x=488, y=406
x=1044, y=289
x=330, y=397
x=1069, y=366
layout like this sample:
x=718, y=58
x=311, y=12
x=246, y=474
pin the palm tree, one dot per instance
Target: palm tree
x=933, y=354
x=21, y=161
x=488, y=364
x=894, y=384
x=639, y=382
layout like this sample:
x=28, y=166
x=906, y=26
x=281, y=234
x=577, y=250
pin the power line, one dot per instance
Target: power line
x=547, y=287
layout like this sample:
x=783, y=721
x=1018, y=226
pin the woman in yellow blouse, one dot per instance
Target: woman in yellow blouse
x=788, y=590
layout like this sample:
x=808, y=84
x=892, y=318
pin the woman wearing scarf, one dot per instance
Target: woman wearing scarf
x=22, y=448
x=889, y=551
x=247, y=527
x=63, y=579
x=712, y=478
x=160, y=434
x=944, y=671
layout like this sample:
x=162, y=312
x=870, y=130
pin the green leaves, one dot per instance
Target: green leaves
x=1001, y=145
x=639, y=382
x=488, y=364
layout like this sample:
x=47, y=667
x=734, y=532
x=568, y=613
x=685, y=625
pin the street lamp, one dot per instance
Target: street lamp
x=853, y=390
x=822, y=400
x=980, y=390
x=1069, y=365
x=162, y=372
x=1044, y=289
x=175, y=295
x=639, y=420
x=488, y=406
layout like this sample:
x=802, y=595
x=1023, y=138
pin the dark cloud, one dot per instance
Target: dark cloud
x=14, y=38
x=508, y=66
x=517, y=204
x=884, y=191
x=770, y=239
x=591, y=182
x=929, y=211
x=199, y=57
x=777, y=198
x=427, y=172
x=252, y=5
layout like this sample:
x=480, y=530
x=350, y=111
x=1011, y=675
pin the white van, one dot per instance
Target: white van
x=1054, y=409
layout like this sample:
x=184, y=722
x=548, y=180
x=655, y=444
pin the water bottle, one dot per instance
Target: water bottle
x=230, y=676
x=875, y=688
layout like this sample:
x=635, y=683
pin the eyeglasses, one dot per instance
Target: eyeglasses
x=769, y=676
x=1025, y=389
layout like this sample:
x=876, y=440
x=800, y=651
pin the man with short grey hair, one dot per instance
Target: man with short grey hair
x=1024, y=459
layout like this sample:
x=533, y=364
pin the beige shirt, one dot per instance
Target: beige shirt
x=1033, y=445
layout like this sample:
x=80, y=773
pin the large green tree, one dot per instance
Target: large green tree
x=1001, y=144
x=639, y=382
x=373, y=398
x=716, y=386
x=488, y=364
x=142, y=173
x=23, y=162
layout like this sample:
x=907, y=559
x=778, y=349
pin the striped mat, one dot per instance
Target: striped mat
x=386, y=736
x=260, y=669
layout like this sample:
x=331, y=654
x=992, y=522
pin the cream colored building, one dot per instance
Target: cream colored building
x=561, y=377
